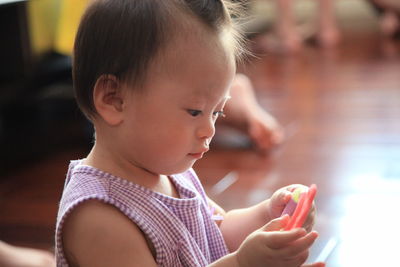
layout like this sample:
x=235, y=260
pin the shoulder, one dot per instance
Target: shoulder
x=97, y=234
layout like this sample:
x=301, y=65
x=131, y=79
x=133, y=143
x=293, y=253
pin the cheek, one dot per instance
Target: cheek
x=160, y=130
x=160, y=136
x=172, y=139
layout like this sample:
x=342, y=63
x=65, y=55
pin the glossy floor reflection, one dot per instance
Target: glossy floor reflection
x=342, y=113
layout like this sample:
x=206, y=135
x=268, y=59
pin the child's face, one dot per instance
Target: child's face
x=168, y=126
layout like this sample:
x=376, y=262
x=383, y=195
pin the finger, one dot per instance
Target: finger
x=282, y=239
x=276, y=224
x=300, y=245
x=282, y=197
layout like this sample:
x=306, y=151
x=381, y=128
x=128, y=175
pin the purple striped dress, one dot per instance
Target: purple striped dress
x=181, y=229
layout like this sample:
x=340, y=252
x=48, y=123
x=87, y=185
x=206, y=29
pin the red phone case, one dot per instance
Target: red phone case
x=302, y=209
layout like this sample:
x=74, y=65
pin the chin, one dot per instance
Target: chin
x=177, y=169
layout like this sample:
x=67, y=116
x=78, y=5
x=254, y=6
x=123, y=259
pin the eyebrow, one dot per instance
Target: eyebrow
x=226, y=98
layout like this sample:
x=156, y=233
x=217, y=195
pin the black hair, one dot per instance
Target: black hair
x=121, y=37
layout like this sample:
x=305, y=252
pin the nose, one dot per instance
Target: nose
x=206, y=129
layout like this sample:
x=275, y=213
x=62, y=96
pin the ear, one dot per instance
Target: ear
x=108, y=99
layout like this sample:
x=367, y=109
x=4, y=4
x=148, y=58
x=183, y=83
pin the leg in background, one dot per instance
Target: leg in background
x=245, y=113
x=291, y=40
x=328, y=34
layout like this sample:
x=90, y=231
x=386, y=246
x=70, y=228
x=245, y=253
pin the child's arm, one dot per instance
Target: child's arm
x=96, y=234
x=239, y=223
x=268, y=246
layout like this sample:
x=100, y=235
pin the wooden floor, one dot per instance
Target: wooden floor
x=341, y=112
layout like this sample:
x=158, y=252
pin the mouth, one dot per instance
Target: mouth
x=197, y=155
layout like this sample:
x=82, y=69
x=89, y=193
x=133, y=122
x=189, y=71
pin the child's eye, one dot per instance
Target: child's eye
x=219, y=113
x=194, y=112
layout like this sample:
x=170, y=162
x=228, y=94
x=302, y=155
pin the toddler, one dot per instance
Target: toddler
x=153, y=77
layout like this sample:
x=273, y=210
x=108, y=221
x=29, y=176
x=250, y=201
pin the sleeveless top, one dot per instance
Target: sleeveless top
x=181, y=230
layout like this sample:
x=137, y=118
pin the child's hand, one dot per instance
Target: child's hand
x=269, y=246
x=279, y=200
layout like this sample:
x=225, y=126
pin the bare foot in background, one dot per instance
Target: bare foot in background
x=245, y=113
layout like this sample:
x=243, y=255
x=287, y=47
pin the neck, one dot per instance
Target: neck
x=108, y=160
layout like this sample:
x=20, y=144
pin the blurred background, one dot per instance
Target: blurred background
x=338, y=102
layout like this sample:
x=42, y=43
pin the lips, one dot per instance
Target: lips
x=200, y=154
x=197, y=155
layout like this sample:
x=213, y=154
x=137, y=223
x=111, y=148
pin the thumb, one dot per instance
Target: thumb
x=276, y=224
x=278, y=202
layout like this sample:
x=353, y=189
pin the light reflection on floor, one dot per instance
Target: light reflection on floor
x=370, y=230
x=369, y=224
